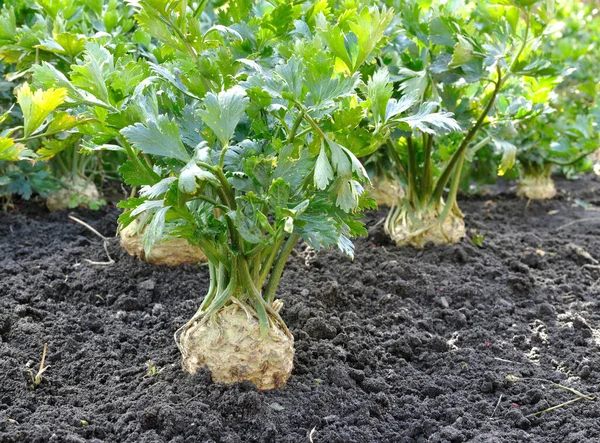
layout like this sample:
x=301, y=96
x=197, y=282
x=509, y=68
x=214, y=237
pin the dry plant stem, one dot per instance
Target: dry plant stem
x=566, y=388
x=104, y=242
x=42, y=367
x=581, y=220
x=553, y=408
x=496, y=408
x=37, y=378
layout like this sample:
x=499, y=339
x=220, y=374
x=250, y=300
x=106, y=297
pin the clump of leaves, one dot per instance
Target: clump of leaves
x=451, y=64
x=242, y=160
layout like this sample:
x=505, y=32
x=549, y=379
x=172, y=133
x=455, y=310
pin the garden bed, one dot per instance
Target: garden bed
x=446, y=344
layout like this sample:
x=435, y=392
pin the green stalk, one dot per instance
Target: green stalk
x=570, y=162
x=413, y=191
x=294, y=129
x=265, y=268
x=213, y=254
x=445, y=176
x=212, y=289
x=453, y=190
x=525, y=37
x=397, y=160
x=222, y=157
x=427, y=179
x=275, y=276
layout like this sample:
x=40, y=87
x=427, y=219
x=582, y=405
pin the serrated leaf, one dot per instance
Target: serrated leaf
x=92, y=74
x=395, y=107
x=379, y=91
x=463, y=52
x=11, y=151
x=153, y=233
x=135, y=175
x=159, y=137
x=36, y=106
x=62, y=121
x=509, y=155
x=157, y=190
x=323, y=172
x=222, y=112
x=189, y=176
x=431, y=122
x=279, y=194
x=54, y=146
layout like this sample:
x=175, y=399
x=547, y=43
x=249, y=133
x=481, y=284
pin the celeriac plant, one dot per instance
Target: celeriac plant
x=242, y=160
x=256, y=171
x=565, y=136
x=451, y=60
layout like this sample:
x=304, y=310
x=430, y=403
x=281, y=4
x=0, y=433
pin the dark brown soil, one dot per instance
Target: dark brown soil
x=398, y=346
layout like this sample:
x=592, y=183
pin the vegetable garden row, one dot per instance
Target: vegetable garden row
x=241, y=139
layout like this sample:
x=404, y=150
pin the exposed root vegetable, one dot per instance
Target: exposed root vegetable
x=232, y=347
x=536, y=188
x=172, y=252
x=386, y=191
x=79, y=192
x=418, y=229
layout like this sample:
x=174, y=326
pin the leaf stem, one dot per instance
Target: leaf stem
x=294, y=129
x=277, y=271
x=445, y=176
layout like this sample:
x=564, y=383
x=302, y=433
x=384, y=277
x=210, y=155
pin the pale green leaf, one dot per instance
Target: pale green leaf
x=222, y=112
x=323, y=171
x=159, y=137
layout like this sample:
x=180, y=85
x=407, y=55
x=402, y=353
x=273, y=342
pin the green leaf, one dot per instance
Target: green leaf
x=347, y=193
x=291, y=75
x=159, y=137
x=91, y=75
x=54, y=146
x=246, y=222
x=153, y=233
x=366, y=30
x=316, y=229
x=189, y=176
x=379, y=91
x=8, y=25
x=222, y=112
x=431, y=122
x=323, y=171
x=157, y=190
x=36, y=106
x=134, y=174
x=279, y=194
x=509, y=155
x=11, y=151
x=463, y=52
x=62, y=121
